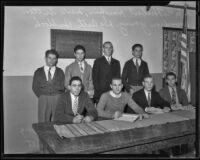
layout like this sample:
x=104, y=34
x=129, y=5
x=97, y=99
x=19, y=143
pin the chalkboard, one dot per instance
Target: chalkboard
x=64, y=42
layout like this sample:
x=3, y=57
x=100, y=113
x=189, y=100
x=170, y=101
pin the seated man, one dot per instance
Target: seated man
x=75, y=105
x=173, y=94
x=148, y=97
x=112, y=103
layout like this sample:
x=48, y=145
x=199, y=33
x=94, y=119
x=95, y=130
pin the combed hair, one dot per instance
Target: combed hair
x=51, y=51
x=75, y=78
x=77, y=47
x=137, y=45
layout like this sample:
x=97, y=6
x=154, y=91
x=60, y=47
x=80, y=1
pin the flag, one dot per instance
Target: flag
x=184, y=58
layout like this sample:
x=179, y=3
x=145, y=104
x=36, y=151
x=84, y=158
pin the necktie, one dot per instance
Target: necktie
x=137, y=64
x=49, y=74
x=108, y=60
x=173, y=101
x=81, y=68
x=149, y=99
x=75, y=106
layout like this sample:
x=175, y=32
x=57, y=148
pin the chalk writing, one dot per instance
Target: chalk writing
x=103, y=17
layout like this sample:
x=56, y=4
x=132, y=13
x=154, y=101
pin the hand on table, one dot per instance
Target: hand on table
x=175, y=107
x=166, y=109
x=77, y=119
x=188, y=107
x=117, y=114
x=88, y=119
x=145, y=115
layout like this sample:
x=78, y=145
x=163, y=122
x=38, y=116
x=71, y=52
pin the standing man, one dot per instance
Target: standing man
x=75, y=106
x=81, y=69
x=104, y=69
x=148, y=97
x=48, y=84
x=134, y=70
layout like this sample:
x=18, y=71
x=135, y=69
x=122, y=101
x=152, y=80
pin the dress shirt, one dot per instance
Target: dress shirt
x=139, y=61
x=52, y=71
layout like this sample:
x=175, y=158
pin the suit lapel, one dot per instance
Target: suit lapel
x=144, y=97
x=69, y=103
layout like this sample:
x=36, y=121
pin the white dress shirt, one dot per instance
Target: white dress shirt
x=82, y=63
x=108, y=58
x=139, y=61
x=52, y=71
x=146, y=93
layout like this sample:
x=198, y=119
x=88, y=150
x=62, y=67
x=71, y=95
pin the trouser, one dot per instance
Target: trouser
x=46, y=110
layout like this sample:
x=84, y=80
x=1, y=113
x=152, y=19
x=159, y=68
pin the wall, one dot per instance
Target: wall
x=27, y=37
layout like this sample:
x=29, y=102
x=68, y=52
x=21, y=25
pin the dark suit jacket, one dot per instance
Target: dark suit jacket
x=156, y=101
x=102, y=74
x=41, y=86
x=182, y=97
x=64, y=113
x=130, y=76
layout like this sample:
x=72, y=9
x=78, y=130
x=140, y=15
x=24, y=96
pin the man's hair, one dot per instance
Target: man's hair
x=51, y=51
x=170, y=74
x=137, y=45
x=147, y=76
x=77, y=47
x=107, y=42
x=75, y=78
x=116, y=78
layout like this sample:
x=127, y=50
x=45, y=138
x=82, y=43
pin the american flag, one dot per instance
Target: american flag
x=184, y=58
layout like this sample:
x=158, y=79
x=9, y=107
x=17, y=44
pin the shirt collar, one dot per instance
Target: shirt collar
x=114, y=95
x=72, y=96
x=134, y=59
x=47, y=67
x=107, y=57
x=146, y=92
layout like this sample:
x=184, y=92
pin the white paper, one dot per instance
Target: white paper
x=128, y=117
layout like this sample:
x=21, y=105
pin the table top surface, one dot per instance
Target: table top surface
x=157, y=127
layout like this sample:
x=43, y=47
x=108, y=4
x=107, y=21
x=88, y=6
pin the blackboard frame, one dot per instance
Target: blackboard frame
x=64, y=41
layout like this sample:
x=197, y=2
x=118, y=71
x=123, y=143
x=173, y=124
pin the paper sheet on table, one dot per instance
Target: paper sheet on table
x=127, y=117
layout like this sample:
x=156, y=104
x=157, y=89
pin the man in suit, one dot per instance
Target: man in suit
x=75, y=106
x=178, y=100
x=103, y=70
x=80, y=68
x=48, y=84
x=148, y=97
x=173, y=94
x=134, y=70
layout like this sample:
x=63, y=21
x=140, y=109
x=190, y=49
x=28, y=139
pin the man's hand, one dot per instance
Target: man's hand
x=166, y=109
x=176, y=107
x=77, y=119
x=141, y=116
x=88, y=119
x=90, y=93
x=117, y=114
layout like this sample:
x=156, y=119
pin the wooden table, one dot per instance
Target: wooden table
x=158, y=132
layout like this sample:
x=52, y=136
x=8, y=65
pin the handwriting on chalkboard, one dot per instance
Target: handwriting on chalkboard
x=118, y=18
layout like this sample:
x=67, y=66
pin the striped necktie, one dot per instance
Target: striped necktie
x=49, y=74
x=173, y=101
x=81, y=67
x=75, y=106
